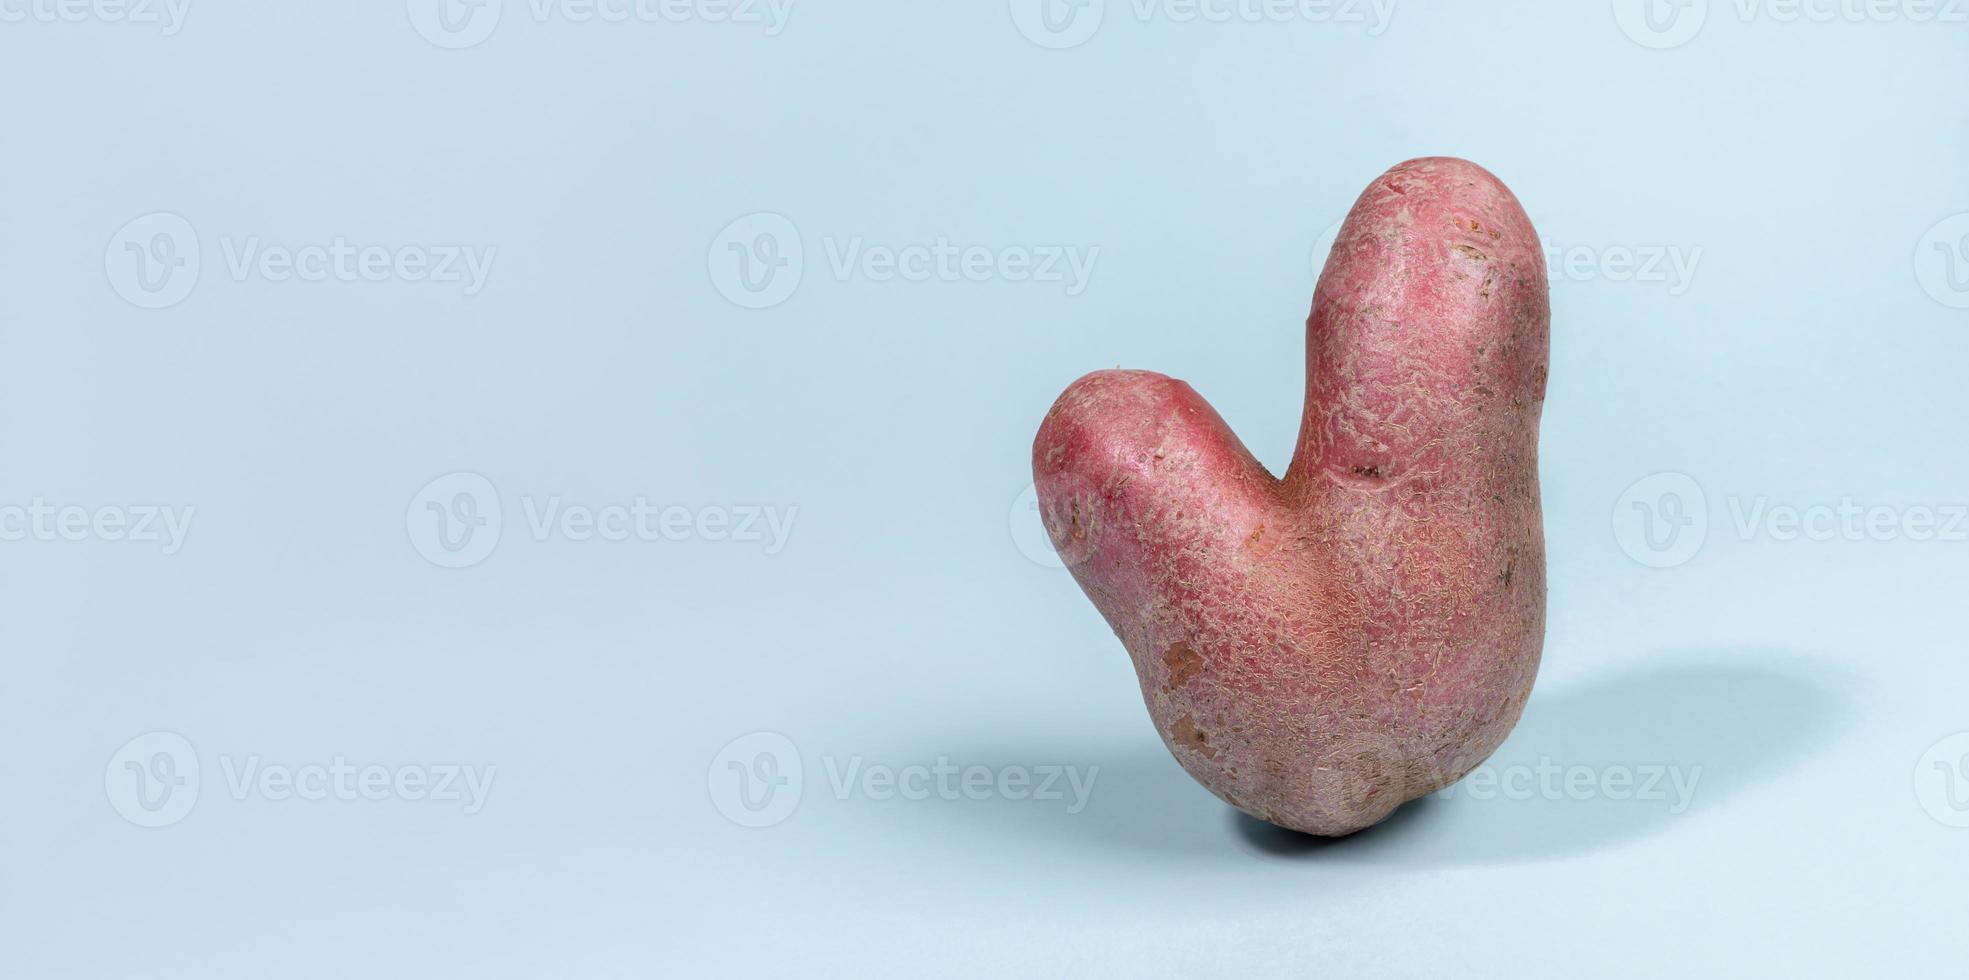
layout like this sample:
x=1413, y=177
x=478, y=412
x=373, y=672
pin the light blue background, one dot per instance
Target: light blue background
x=1803, y=363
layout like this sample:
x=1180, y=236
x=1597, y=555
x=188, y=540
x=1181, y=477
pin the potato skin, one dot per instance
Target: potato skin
x=1318, y=649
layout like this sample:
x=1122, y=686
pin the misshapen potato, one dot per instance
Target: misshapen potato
x=1319, y=649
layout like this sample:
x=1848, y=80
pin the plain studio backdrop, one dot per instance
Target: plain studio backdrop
x=541, y=488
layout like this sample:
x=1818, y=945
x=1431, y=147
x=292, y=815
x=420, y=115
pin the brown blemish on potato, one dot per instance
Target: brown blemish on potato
x=1186, y=734
x=1183, y=664
x=1472, y=251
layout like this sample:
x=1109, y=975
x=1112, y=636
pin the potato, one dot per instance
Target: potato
x=1319, y=649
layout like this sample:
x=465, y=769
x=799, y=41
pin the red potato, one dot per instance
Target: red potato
x=1319, y=649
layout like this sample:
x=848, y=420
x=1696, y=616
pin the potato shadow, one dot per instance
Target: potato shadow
x=1137, y=800
x=1594, y=764
x=1591, y=765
